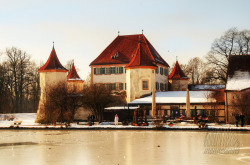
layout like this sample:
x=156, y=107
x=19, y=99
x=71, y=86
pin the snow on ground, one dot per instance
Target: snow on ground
x=120, y=108
x=28, y=121
x=239, y=81
x=176, y=97
x=26, y=118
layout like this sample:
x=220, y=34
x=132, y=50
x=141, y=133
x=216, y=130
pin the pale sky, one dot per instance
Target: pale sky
x=82, y=29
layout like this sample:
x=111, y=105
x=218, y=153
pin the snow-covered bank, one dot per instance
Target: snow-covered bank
x=28, y=122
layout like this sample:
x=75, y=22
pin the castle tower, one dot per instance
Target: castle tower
x=51, y=73
x=140, y=72
x=178, y=81
x=74, y=82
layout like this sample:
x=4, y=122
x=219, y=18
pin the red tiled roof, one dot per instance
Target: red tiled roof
x=52, y=64
x=238, y=63
x=177, y=73
x=124, y=48
x=142, y=58
x=73, y=76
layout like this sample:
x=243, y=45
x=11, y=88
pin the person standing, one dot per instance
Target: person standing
x=242, y=120
x=93, y=119
x=237, y=118
x=116, y=119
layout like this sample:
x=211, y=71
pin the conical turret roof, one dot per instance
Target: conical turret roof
x=53, y=64
x=177, y=73
x=73, y=75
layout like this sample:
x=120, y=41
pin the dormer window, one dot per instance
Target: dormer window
x=115, y=56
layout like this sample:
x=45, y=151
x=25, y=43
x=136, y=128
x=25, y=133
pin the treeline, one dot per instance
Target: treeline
x=213, y=69
x=19, y=82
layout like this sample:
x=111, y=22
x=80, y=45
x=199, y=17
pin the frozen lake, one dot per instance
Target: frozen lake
x=41, y=147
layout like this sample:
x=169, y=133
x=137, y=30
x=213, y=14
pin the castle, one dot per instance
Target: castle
x=130, y=63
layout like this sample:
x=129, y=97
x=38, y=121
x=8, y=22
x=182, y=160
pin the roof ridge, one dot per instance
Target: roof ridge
x=148, y=48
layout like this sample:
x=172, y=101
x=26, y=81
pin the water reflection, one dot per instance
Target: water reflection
x=114, y=147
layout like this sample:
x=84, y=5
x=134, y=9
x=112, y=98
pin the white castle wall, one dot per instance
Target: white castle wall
x=48, y=79
x=135, y=77
x=162, y=78
x=112, y=78
x=108, y=78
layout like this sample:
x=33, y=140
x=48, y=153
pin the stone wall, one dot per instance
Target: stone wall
x=178, y=85
x=237, y=102
x=135, y=78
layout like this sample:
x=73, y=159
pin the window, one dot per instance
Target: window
x=161, y=86
x=120, y=69
x=107, y=70
x=94, y=70
x=121, y=86
x=157, y=86
x=161, y=70
x=112, y=86
x=145, y=84
x=98, y=70
x=125, y=86
x=102, y=71
x=165, y=72
x=112, y=70
x=157, y=70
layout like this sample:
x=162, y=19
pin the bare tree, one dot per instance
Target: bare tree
x=5, y=100
x=195, y=70
x=232, y=42
x=18, y=62
x=69, y=64
x=60, y=104
x=88, y=80
x=22, y=79
x=96, y=98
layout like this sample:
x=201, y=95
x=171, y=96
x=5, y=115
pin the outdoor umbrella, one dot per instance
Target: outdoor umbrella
x=153, y=103
x=188, y=104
